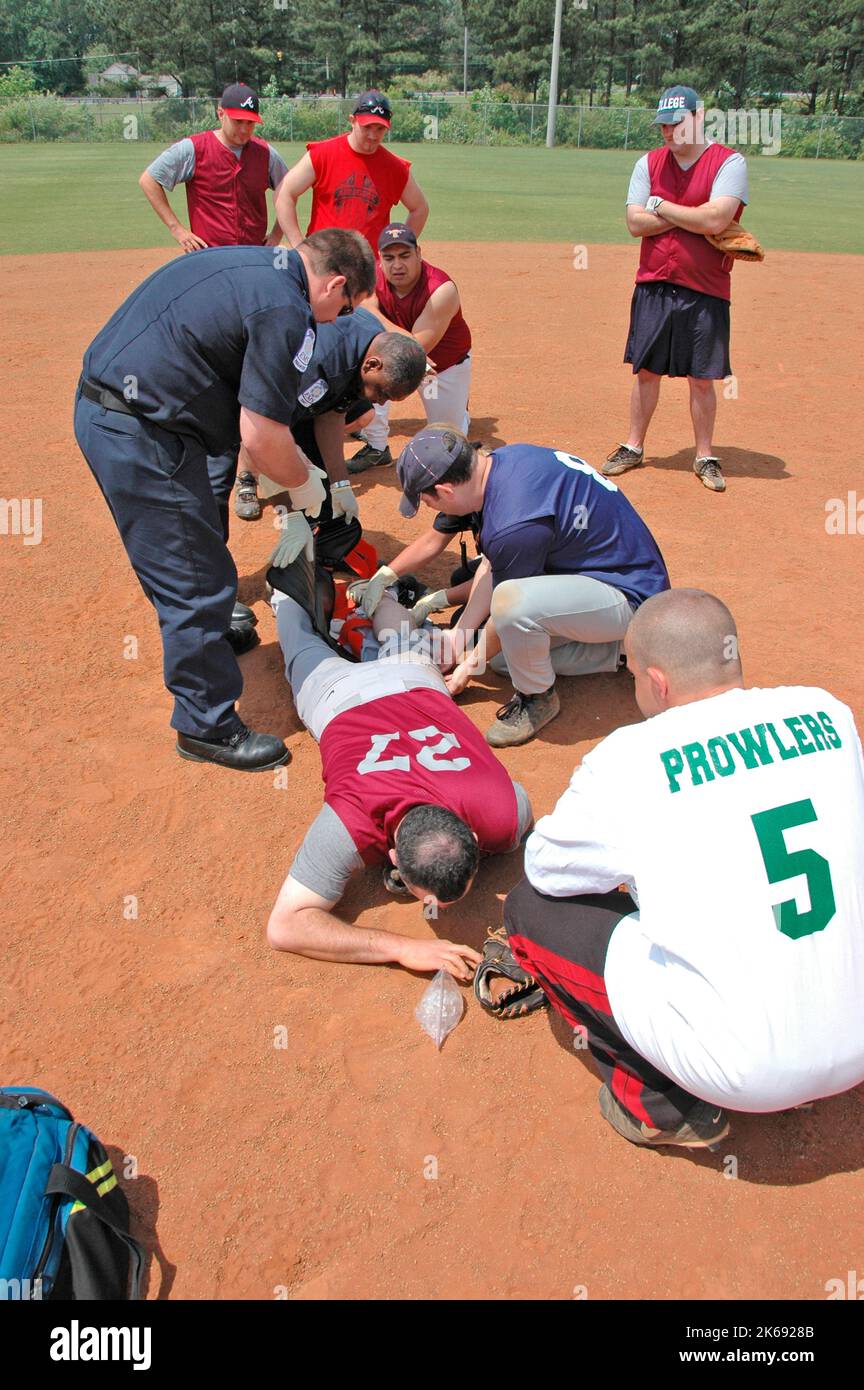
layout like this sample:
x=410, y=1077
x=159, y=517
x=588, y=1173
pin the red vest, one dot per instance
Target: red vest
x=227, y=196
x=353, y=190
x=679, y=257
x=455, y=344
x=416, y=748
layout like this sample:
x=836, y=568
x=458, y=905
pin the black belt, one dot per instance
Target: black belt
x=102, y=396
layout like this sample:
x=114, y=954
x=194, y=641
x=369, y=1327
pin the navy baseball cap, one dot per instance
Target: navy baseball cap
x=396, y=234
x=424, y=461
x=674, y=105
x=372, y=107
x=240, y=103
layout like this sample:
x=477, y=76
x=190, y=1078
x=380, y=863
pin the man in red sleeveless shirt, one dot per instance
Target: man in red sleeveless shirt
x=409, y=783
x=227, y=173
x=355, y=180
x=679, y=194
x=423, y=301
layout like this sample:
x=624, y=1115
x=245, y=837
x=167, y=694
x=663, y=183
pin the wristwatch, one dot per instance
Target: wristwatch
x=343, y=482
x=653, y=204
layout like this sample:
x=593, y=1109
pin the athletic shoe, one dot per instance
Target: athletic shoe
x=707, y=470
x=705, y=1126
x=246, y=503
x=244, y=750
x=367, y=457
x=622, y=460
x=523, y=717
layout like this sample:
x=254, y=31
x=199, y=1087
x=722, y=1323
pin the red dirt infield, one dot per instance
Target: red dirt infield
x=264, y=1170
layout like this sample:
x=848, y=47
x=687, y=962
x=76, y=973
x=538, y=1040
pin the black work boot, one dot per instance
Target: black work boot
x=244, y=750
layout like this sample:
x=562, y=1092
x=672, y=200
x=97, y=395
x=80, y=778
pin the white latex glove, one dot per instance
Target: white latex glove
x=344, y=502
x=309, y=496
x=430, y=603
x=295, y=537
x=369, y=592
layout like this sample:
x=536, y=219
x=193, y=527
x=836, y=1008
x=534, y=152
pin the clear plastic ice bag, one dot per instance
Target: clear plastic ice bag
x=440, y=1007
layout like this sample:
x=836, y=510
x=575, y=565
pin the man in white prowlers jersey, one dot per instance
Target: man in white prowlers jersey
x=732, y=975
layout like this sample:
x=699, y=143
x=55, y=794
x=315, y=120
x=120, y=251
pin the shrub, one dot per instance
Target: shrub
x=804, y=144
x=319, y=120
x=50, y=118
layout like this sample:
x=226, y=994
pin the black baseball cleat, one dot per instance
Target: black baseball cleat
x=244, y=750
x=367, y=457
x=242, y=614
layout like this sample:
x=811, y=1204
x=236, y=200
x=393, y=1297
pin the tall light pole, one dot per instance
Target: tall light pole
x=465, y=64
x=553, y=76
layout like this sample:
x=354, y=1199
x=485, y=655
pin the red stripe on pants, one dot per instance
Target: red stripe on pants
x=589, y=988
x=583, y=984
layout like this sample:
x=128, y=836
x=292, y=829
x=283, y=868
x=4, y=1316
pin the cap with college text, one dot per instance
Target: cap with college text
x=371, y=108
x=674, y=105
x=396, y=234
x=240, y=103
x=424, y=461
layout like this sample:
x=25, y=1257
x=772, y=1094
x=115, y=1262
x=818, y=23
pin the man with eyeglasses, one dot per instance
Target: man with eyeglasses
x=209, y=351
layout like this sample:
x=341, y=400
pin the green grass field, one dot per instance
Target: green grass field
x=86, y=197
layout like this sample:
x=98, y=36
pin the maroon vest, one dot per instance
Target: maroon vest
x=679, y=257
x=412, y=749
x=227, y=196
x=455, y=343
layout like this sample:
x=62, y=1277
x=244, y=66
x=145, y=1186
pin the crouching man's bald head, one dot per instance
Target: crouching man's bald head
x=682, y=645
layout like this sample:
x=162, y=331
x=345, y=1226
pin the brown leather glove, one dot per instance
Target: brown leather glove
x=737, y=243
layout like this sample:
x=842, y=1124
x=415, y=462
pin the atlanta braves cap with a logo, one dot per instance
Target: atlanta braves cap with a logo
x=396, y=234
x=674, y=105
x=371, y=107
x=240, y=103
x=424, y=461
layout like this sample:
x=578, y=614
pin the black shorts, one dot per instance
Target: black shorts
x=676, y=331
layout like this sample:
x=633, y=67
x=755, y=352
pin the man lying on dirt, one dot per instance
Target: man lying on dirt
x=409, y=783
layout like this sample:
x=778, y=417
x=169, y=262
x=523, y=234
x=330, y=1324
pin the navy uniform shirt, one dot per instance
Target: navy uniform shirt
x=549, y=512
x=207, y=333
x=332, y=379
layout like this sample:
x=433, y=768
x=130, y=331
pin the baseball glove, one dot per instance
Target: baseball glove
x=498, y=961
x=737, y=244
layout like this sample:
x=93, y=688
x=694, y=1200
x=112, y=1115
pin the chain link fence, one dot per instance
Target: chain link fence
x=449, y=120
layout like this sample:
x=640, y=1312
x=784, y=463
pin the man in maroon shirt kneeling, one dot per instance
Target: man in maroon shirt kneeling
x=422, y=300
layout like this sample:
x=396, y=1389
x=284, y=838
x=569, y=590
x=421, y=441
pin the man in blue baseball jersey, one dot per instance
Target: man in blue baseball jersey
x=567, y=560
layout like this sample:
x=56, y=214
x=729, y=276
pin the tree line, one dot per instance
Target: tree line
x=735, y=52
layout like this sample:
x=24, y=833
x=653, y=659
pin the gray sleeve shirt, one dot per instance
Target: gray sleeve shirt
x=730, y=181
x=177, y=165
x=174, y=165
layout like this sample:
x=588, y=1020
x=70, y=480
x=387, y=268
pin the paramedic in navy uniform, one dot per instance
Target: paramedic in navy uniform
x=208, y=351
